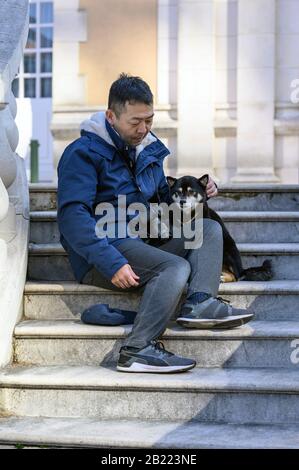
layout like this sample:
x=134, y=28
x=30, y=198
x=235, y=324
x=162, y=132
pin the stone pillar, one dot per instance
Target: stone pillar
x=166, y=100
x=287, y=77
x=256, y=92
x=68, y=84
x=167, y=52
x=225, y=99
x=195, y=86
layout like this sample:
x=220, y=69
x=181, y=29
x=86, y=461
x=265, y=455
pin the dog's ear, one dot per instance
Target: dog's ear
x=203, y=180
x=170, y=181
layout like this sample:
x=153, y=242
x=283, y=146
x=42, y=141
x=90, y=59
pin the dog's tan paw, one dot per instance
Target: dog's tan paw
x=227, y=276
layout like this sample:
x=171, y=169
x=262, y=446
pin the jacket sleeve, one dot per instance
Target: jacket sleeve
x=77, y=187
x=163, y=188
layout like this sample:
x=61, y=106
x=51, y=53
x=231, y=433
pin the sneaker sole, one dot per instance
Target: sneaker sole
x=215, y=324
x=137, y=367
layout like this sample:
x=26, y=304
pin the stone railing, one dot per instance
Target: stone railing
x=14, y=197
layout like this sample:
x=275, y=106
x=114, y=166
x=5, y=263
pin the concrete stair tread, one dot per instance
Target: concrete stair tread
x=145, y=434
x=241, y=287
x=76, y=329
x=202, y=380
x=248, y=187
x=259, y=187
x=252, y=248
x=43, y=215
x=267, y=216
x=46, y=187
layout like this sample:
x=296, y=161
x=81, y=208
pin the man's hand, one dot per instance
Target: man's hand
x=125, y=277
x=211, y=188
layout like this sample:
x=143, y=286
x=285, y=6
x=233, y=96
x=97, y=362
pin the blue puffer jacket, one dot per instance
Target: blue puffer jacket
x=90, y=171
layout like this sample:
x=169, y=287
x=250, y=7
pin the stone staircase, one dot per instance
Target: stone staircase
x=62, y=388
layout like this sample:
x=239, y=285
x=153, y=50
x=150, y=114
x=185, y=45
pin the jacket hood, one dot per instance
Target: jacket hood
x=96, y=124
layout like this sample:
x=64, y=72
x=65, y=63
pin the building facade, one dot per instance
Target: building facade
x=223, y=73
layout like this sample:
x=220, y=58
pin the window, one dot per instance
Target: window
x=46, y=87
x=32, y=13
x=31, y=40
x=35, y=74
x=46, y=62
x=30, y=63
x=29, y=88
x=46, y=12
x=46, y=37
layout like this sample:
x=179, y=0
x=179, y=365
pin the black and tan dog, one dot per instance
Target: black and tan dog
x=189, y=190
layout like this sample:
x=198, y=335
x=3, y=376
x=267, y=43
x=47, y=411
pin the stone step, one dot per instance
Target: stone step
x=69, y=342
x=262, y=227
x=42, y=196
x=241, y=396
x=97, y=433
x=272, y=300
x=244, y=226
x=49, y=261
x=267, y=197
x=247, y=197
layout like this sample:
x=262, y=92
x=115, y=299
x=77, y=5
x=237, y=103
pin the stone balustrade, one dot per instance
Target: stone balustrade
x=14, y=199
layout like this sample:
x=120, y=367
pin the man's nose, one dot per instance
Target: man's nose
x=142, y=128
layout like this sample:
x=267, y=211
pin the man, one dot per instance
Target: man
x=117, y=154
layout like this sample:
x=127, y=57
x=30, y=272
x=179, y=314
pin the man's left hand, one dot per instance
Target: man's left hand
x=211, y=188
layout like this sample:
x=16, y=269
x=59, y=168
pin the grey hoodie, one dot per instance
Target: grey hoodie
x=96, y=124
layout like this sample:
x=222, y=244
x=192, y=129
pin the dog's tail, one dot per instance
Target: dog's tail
x=258, y=273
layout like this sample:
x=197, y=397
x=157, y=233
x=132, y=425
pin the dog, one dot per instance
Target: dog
x=187, y=191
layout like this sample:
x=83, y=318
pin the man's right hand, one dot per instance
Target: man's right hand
x=125, y=277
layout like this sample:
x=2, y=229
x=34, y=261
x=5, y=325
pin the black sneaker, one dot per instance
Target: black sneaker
x=213, y=313
x=153, y=358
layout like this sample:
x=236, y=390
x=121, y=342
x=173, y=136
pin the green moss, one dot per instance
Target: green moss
x=19, y=446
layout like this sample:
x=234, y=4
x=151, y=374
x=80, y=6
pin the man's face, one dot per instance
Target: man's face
x=134, y=123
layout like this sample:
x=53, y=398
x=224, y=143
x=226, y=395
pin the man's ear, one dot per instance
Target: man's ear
x=110, y=116
x=170, y=181
x=203, y=180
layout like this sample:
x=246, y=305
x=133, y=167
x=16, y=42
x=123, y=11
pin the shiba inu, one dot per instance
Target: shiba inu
x=188, y=191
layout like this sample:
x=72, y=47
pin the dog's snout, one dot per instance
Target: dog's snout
x=182, y=202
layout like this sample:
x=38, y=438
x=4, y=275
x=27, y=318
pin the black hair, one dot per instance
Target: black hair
x=128, y=89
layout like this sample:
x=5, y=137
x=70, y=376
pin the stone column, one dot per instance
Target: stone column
x=225, y=97
x=167, y=52
x=256, y=91
x=287, y=77
x=166, y=100
x=195, y=86
x=68, y=84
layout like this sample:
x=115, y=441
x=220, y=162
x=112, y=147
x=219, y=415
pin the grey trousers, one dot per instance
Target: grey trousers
x=164, y=272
